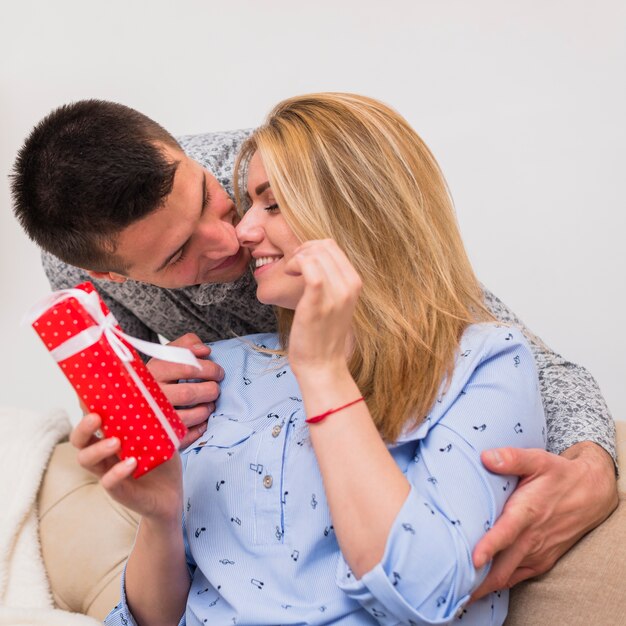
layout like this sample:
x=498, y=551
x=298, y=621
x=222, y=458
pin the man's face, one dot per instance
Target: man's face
x=190, y=239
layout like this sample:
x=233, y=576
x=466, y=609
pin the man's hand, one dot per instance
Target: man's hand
x=558, y=500
x=194, y=402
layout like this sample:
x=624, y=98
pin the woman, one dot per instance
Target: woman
x=339, y=481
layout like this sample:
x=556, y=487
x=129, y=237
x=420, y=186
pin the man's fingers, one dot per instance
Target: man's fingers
x=508, y=528
x=191, y=394
x=196, y=415
x=501, y=579
x=195, y=419
x=517, y=461
x=522, y=573
x=166, y=372
x=192, y=434
x=191, y=341
x=502, y=568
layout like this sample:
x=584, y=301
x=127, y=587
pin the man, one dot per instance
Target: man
x=99, y=186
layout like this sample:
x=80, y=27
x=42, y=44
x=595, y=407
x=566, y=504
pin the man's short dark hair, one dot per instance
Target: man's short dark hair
x=85, y=172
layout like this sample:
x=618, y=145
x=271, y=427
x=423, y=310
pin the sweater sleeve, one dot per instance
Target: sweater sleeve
x=574, y=407
x=61, y=275
x=426, y=575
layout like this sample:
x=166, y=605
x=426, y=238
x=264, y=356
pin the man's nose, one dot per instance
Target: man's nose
x=218, y=239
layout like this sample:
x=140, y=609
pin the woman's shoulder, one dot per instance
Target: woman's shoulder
x=490, y=350
x=488, y=338
x=490, y=357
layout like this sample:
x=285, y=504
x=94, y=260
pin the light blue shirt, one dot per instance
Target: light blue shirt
x=259, y=537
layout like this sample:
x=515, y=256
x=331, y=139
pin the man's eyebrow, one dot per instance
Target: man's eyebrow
x=205, y=203
x=206, y=196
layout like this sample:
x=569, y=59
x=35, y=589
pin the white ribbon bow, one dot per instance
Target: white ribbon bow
x=105, y=325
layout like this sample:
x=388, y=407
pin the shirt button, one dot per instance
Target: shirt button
x=267, y=481
x=276, y=430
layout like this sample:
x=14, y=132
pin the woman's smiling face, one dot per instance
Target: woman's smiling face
x=272, y=243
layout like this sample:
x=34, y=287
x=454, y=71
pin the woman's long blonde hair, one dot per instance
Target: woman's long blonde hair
x=350, y=168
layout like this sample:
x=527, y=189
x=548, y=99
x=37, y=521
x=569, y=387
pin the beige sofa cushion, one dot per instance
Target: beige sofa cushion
x=86, y=538
x=587, y=586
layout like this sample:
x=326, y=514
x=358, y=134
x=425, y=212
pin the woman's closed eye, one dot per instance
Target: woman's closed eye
x=272, y=208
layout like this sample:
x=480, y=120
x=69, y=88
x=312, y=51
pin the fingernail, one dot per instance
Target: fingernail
x=479, y=560
x=200, y=347
x=112, y=442
x=131, y=461
x=495, y=457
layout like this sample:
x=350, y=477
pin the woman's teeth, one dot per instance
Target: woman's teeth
x=265, y=260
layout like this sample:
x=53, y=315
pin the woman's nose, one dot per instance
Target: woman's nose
x=249, y=232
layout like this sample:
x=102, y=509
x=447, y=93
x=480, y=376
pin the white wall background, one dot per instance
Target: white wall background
x=522, y=103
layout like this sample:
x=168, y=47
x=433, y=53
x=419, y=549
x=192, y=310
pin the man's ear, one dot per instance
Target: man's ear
x=114, y=276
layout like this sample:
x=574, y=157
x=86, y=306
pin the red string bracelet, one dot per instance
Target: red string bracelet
x=321, y=416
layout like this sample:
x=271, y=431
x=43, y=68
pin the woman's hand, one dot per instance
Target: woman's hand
x=157, y=579
x=156, y=495
x=321, y=330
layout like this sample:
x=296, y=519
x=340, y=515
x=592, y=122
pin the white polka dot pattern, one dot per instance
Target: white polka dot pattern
x=103, y=383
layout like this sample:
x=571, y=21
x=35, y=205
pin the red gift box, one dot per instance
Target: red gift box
x=100, y=362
